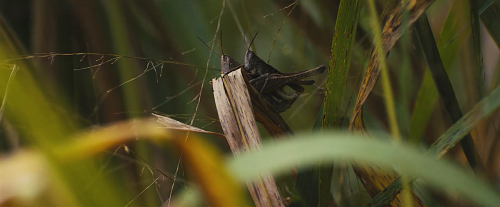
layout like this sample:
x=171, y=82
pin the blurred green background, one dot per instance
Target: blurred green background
x=124, y=39
x=83, y=88
x=165, y=30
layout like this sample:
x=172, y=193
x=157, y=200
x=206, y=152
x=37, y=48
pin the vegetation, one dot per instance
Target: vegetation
x=80, y=80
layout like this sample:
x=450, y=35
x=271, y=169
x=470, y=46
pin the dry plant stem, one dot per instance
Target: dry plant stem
x=234, y=106
x=388, y=95
x=52, y=55
x=373, y=178
x=390, y=34
x=231, y=131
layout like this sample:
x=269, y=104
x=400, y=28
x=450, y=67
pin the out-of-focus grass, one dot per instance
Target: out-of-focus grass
x=48, y=102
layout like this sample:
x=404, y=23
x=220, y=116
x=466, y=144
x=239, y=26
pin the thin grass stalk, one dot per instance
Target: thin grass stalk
x=388, y=94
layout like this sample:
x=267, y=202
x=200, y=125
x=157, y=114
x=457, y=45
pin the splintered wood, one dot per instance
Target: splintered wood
x=234, y=107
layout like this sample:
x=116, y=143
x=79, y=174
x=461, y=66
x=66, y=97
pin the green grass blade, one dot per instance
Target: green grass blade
x=466, y=124
x=345, y=32
x=334, y=147
x=451, y=137
x=453, y=35
x=313, y=185
x=490, y=18
x=476, y=44
x=445, y=89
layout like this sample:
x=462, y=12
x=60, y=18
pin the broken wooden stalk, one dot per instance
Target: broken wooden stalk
x=237, y=101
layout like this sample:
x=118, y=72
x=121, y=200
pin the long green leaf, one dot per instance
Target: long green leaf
x=454, y=33
x=345, y=32
x=313, y=185
x=331, y=147
x=445, y=89
x=453, y=36
x=449, y=139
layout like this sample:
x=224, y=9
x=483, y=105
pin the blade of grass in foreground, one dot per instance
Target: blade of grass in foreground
x=329, y=147
x=451, y=137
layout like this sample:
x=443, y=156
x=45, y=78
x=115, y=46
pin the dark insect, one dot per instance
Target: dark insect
x=270, y=82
